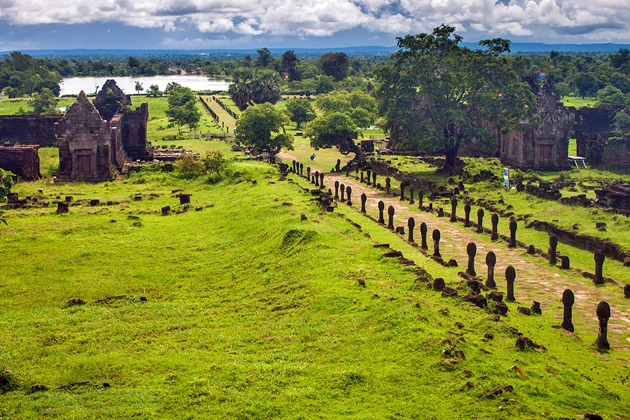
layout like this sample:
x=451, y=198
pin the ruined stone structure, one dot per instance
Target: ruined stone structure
x=134, y=133
x=597, y=140
x=29, y=129
x=22, y=160
x=540, y=145
x=89, y=147
x=109, y=104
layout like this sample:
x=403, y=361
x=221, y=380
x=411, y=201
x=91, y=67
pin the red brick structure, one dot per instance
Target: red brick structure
x=22, y=160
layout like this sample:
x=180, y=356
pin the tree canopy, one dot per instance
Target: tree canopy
x=182, y=107
x=335, y=65
x=333, y=129
x=437, y=95
x=300, y=111
x=261, y=129
x=44, y=102
x=258, y=86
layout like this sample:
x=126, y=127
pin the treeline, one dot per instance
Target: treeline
x=21, y=75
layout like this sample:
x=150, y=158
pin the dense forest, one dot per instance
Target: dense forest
x=601, y=75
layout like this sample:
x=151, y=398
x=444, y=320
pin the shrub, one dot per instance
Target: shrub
x=190, y=167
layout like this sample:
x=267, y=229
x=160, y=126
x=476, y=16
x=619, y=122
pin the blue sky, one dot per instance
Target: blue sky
x=201, y=24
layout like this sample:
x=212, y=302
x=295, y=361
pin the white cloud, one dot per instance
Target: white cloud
x=590, y=19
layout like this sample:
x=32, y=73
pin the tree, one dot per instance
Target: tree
x=133, y=62
x=333, y=129
x=6, y=183
x=44, y=102
x=300, y=111
x=182, y=108
x=290, y=65
x=622, y=123
x=139, y=88
x=621, y=82
x=154, y=91
x=586, y=84
x=438, y=95
x=170, y=86
x=254, y=86
x=335, y=65
x=610, y=96
x=264, y=58
x=260, y=128
x=359, y=106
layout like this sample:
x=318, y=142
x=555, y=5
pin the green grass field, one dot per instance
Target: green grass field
x=577, y=102
x=252, y=313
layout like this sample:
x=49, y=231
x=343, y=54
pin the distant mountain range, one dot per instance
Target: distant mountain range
x=517, y=47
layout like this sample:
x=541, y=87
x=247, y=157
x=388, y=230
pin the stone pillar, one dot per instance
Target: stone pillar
x=356, y=173
x=453, y=209
x=316, y=178
x=62, y=207
x=491, y=261
x=369, y=175
x=436, y=243
x=510, y=276
x=388, y=184
x=467, y=215
x=553, y=245
x=338, y=166
x=294, y=162
x=420, y=197
x=321, y=179
x=411, y=192
x=411, y=224
x=301, y=169
x=381, y=208
x=568, y=299
x=349, y=195
x=471, y=249
x=374, y=179
x=480, y=214
x=566, y=264
x=513, y=227
x=363, y=200
x=337, y=190
x=308, y=173
x=390, y=213
x=361, y=176
x=402, y=190
x=599, y=268
x=342, y=187
x=495, y=226
x=423, y=234
x=603, y=315
x=626, y=291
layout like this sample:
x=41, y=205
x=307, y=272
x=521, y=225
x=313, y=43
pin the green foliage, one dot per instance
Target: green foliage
x=260, y=128
x=360, y=107
x=6, y=183
x=258, y=86
x=154, y=91
x=44, y=102
x=170, y=86
x=332, y=129
x=182, y=107
x=290, y=65
x=437, y=95
x=139, y=88
x=610, y=96
x=300, y=111
x=190, y=166
x=622, y=123
x=586, y=84
x=335, y=65
x=22, y=75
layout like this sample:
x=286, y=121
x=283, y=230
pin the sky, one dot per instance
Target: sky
x=216, y=24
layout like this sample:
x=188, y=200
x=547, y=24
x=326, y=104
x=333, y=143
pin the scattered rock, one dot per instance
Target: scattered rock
x=524, y=310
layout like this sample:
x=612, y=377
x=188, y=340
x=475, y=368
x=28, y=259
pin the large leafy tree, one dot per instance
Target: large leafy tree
x=611, y=96
x=182, y=107
x=586, y=84
x=254, y=86
x=300, y=111
x=437, y=95
x=261, y=129
x=335, y=65
x=333, y=129
x=289, y=64
x=44, y=102
x=360, y=106
x=6, y=183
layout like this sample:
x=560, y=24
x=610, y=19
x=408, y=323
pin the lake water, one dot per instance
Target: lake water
x=74, y=85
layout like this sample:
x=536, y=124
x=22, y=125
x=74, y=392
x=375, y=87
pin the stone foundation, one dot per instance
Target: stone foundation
x=22, y=160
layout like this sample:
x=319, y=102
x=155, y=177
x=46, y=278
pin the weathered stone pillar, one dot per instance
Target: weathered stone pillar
x=381, y=208
x=599, y=268
x=316, y=178
x=308, y=173
x=467, y=215
x=491, y=261
x=510, y=276
x=411, y=192
x=513, y=227
x=436, y=243
x=453, y=209
x=390, y=221
x=301, y=169
x=566, y=263
x=626, y=291
x=369, y=175
x=374, y=179
x=388, y=184
x=349, y=195
x=423, y=234
x=321, y=179
x=480, y=214
x=62, y=207
x=402, y=190
x=361, y=176
x=495, y=226
x=420, y=198
x=338, y=166
x=603, y=315
x=568, y=299
x=411, y=224
x=553, y=245
x=363, y=200
x=337, y=190
x=342, y=187
x=471, y=250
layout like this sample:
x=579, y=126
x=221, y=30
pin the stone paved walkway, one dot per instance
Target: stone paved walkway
x=535, y=280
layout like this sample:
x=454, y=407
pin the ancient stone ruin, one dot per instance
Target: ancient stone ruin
x=29, y=129
x=23, y=161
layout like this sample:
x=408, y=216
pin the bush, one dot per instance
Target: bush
x=190, y=167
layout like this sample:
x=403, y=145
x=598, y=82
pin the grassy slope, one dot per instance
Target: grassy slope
x=252, y=313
